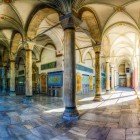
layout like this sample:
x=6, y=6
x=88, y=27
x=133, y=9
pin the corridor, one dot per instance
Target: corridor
x=117, y=117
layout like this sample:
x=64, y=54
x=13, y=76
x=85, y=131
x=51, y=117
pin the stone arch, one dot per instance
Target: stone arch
x=5, y=56
x=120, y=23
x=40, y=22
x=18, y=62
x=128, y=45
x=15, y=44
x=78, y=52
x=88, y=52
x=92, y=21
x=20, y=54
x=85, y=53
x=48, y=44
x=125, y=60
x=37, y=17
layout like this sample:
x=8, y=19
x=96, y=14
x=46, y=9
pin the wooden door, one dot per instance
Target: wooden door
x=43, y=83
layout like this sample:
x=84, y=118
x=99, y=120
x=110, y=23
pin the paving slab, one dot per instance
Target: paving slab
x=115, y=118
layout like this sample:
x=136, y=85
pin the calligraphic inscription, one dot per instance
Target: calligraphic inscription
x=50, y=65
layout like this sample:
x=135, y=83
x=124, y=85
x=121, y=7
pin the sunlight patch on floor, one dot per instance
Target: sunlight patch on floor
x=108, y=100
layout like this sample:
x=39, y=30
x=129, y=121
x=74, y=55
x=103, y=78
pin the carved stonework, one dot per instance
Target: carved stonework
x=67, y=21
x=97, y=48
x=12, y=57
x=29, y=46
x=107, y=59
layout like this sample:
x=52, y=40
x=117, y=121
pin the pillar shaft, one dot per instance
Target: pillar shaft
x=28, y=72
x=3, y=81
x=70, y=112
x=69, y=68
x=97, y=75
x=135, y=79
x=128, y=80
x=115, y=76
x=112, y=78
x=12, y=77
x=107, y=77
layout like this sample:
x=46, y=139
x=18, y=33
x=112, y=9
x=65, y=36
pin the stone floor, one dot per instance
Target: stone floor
x=117, y=117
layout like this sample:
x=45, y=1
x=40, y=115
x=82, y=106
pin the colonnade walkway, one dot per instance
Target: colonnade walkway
x=117, y=117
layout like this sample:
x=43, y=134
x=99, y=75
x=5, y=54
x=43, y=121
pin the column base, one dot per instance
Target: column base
x=97, y=98
x=27, y=100
x=3, y=92
x=12, y=93
x=71, y=114
x=108, y=92
x=113, y=89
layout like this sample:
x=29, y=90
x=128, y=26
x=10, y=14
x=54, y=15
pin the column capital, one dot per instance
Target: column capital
x=107, y=59
x=12, y=57
x=29, y=46
x=112, y=66
x=97, y=48
x=4, y=64
x=12, y=60
x=67, y=21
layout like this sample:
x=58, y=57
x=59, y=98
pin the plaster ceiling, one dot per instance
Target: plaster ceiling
x=107, y=13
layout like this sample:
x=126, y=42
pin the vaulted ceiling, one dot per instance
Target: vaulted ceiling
x=96, y=23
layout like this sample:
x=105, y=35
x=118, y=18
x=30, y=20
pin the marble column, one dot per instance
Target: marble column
x=128, y=80
x=70, y=112
x=107, y=77
x=12, y=78
x=98, y=88
x=28, y=71
x=112, y=78
x=4, y=80
x=115, y=79
x=135, y=79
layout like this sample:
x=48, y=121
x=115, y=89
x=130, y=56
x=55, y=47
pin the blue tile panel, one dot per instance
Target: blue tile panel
x=55, y=79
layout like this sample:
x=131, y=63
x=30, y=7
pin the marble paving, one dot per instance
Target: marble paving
x=117, y=117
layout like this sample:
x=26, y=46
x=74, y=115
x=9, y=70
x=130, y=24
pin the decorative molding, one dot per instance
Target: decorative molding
x=83, y=68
